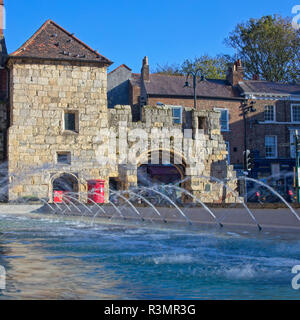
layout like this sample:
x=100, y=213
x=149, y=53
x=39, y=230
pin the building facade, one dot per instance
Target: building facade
x=58, y=116
x=270, y=129
x=216, y=95
x=57, y=106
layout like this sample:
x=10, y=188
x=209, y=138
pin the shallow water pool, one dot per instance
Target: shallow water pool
x=63, y=259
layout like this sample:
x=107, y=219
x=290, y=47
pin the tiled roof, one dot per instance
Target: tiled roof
x=53, y=42
x=269, y=88
x=174, y=86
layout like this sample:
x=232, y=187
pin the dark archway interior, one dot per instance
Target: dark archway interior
x=161, y=169
x=158, y=174
x=66, y=183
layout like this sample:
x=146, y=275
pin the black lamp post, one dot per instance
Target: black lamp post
x=246, y=107
x=194, y=74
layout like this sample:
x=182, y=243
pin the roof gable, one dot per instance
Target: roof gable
x=53, y=42
x=120, y=67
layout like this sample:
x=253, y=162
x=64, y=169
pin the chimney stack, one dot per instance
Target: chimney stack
x=235, y=73
x=145, y=70
x=2, y=17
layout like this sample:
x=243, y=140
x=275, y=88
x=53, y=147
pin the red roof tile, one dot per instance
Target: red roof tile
x=52, y=41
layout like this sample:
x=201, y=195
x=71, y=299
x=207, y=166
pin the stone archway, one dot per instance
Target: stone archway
x=168, y=172
x=66, y=182
x=163, y=173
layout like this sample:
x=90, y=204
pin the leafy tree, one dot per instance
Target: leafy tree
x=269, y=47
x=212, y=67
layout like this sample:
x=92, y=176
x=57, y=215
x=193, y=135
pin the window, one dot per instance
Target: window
x=71, y=121
x=224, y=119
x=271, y=146
x=177, y=114
x=269, y=114
x=64, y=157
x=295, y=112
x=292, y=142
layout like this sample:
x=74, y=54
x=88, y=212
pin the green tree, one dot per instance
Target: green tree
x=269, y=47
x=212, y=67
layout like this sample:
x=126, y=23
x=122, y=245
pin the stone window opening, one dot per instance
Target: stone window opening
x=202, y=124
x=63, y=158
x=71, y=121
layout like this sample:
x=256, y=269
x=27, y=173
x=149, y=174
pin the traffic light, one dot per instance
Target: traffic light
x=248, y=160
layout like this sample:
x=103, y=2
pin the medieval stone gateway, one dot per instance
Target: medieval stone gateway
x=59, y=122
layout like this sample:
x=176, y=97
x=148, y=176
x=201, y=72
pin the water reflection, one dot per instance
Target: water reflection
x=34, y=273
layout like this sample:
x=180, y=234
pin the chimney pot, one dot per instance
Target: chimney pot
x=145, y=70
x=235, y=73
x=2, y=17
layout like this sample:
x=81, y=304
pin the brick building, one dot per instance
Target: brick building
x=270, y=129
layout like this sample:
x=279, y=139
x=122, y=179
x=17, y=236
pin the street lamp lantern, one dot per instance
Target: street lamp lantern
x=187, y=84
x=194, y=75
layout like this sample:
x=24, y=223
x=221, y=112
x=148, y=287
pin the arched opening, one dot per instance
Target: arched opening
x=67, y=184
x=149, y=174
x=162, y=173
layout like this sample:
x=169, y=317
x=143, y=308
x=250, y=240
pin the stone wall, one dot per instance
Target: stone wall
x=236, y=141
x=3, y=128
x=206, y=146
x=40, y=93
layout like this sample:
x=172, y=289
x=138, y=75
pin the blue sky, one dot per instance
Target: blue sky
x=167, y=31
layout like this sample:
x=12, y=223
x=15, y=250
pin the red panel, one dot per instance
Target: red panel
x=96, y=191
x=58, y=196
